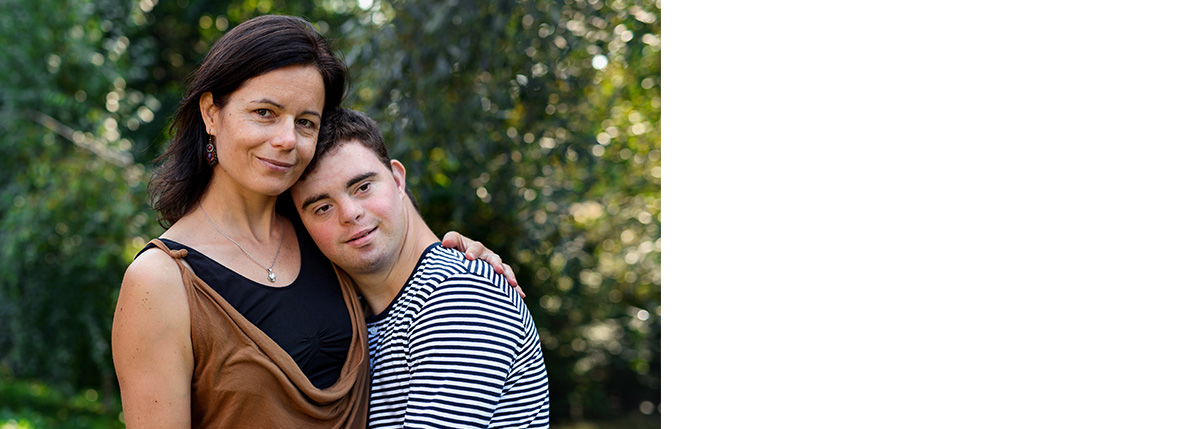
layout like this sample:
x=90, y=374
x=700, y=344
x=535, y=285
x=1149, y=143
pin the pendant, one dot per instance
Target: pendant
x=270, y=275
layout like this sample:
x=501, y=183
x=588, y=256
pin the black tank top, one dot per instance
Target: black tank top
x=308, y=318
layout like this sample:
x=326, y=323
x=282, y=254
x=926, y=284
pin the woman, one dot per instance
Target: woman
x=236, y=319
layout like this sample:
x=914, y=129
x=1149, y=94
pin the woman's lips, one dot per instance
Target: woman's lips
x=276, y=165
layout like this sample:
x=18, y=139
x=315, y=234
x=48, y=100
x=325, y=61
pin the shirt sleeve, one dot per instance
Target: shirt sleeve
x=464, y=343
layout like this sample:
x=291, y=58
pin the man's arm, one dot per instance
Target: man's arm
x=463, y=346
x=526, y=400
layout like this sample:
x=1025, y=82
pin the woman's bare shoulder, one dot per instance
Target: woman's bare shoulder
x=153, y=266
x=153, y=290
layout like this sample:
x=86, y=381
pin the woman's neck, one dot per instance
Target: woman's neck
x=239, y=212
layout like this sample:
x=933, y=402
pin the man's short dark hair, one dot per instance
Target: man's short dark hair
x=341, y=126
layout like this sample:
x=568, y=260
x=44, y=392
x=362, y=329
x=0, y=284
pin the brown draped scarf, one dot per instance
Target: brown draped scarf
x=242, y=378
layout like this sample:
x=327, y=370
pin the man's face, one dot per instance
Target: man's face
x=353, y=207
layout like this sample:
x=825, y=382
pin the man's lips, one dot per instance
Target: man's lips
x=361, y=236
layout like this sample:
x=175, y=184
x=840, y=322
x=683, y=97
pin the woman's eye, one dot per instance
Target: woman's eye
x=263, y=112
x=307, y=123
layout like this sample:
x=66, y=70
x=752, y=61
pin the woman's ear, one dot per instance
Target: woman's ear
x=209, y=112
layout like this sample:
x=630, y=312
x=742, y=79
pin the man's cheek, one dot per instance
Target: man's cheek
x=326, y=240
x=318, y=235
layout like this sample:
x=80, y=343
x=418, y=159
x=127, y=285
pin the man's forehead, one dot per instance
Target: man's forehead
x=347, y=160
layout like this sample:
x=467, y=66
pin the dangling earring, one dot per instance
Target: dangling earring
x=210, y=151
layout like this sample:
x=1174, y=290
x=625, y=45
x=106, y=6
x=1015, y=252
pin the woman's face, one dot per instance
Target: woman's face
x=266, y=132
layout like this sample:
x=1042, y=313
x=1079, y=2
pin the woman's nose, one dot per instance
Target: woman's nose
x=285, y=136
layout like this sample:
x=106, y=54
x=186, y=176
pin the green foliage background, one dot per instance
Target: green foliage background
x=530, y=125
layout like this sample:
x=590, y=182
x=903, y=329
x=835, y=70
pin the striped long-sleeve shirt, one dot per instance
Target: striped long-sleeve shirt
x=456, y=348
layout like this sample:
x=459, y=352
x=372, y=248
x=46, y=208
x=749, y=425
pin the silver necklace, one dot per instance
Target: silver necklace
x=270, y=271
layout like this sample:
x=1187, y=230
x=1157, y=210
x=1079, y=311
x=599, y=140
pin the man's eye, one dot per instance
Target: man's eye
x=321, y=209
x=364, y=187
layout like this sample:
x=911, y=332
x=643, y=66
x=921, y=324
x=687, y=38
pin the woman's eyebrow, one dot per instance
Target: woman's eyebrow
x=273, y=103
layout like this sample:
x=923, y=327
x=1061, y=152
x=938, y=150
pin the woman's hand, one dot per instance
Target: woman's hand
x=476, y=250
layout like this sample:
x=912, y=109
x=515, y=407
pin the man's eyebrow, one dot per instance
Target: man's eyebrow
x=349, y=183
x=313, y=199
x=273, y=103
x=360, y=177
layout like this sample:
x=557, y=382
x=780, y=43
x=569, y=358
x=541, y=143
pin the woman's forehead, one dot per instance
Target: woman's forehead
x=293, y=88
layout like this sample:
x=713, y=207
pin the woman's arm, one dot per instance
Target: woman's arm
x=151, y=343
x=476, y=250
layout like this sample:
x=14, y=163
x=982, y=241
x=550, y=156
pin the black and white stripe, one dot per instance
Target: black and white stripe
x=456, y=348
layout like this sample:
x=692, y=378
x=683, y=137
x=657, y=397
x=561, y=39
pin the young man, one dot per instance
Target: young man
x=451, y=344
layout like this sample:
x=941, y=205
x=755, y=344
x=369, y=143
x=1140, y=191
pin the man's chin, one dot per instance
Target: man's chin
x=362, y=263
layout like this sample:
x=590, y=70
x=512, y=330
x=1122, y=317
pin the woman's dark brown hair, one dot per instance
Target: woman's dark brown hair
x=253, y=48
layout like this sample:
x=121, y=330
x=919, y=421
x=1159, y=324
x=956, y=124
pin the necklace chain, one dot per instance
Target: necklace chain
x=270, y=269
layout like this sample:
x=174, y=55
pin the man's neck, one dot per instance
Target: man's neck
x=380, y=287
